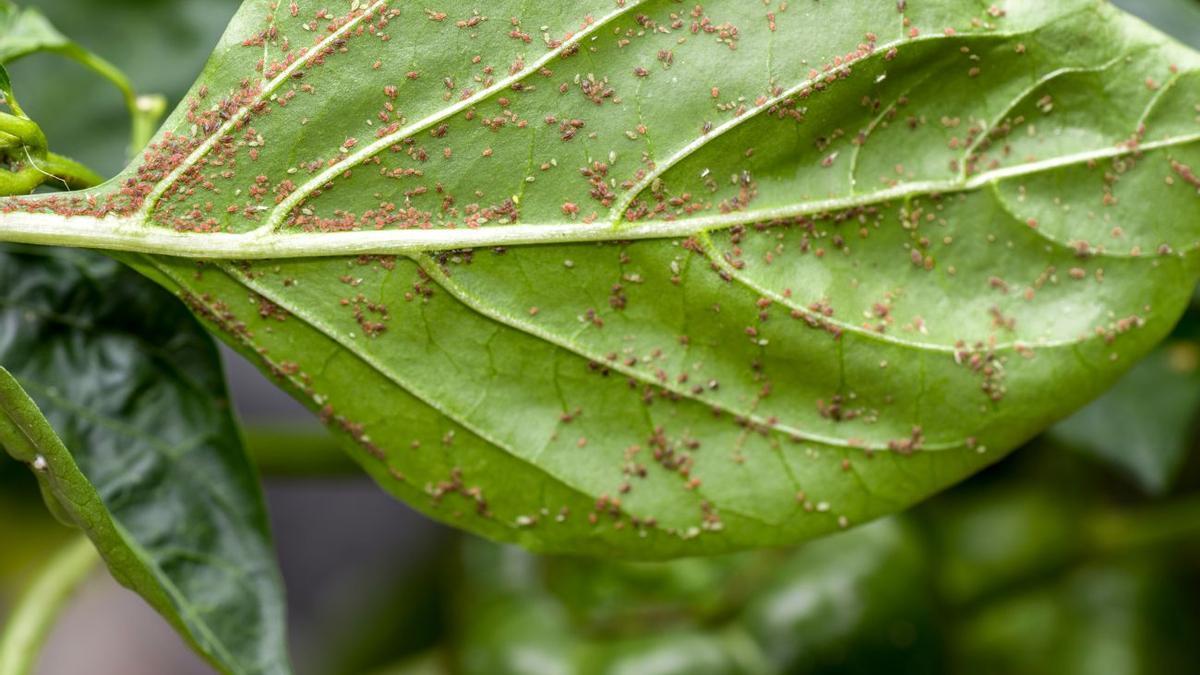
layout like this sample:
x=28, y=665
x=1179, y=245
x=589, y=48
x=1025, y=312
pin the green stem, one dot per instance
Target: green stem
x=106, y=70
x=55, y=169
x=147, y=114
x=74, y=174
x=25, y=130
x=31, y=622
x=25, y=144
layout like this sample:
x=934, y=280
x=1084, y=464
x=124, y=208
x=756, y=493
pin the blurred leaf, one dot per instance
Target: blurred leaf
x=156, y=475
x=1123, y=619
x=508, y=623
x=989, y=540
x=403, y=615
x=431, y=663
x=672, y=652
x=1145, y=425
x=629, y=598
x=858, y=602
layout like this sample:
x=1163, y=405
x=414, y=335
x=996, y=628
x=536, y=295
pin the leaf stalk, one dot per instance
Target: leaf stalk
x=32, y=621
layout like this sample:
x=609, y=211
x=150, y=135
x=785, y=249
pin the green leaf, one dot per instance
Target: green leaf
x=1146, y=424
x=634, y=278
x=155, y=475
x=860, y=602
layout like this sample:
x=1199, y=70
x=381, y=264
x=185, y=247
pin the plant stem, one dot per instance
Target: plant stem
x=31, y=622
x=74, y=174
x=55, y=169
x=147, y=114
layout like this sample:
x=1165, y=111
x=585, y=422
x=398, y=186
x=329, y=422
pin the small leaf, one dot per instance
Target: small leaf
x=992, y=540
x=155, y=474
x=629, y=278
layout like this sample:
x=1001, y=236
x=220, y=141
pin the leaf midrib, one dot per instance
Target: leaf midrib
x=281, y=211
x=118, y=233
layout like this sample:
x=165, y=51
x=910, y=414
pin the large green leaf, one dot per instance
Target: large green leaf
x=155, y=474
x=643, y=278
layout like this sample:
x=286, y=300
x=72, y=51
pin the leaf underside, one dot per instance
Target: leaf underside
x=852, y=252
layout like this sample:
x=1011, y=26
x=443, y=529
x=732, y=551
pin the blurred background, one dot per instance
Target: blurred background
x=1080, y=554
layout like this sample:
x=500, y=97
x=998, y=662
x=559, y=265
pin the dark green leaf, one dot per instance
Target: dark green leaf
x=156, y=474
x=673, y=281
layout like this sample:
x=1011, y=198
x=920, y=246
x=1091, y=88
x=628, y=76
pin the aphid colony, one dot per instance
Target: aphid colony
x=840, y=194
